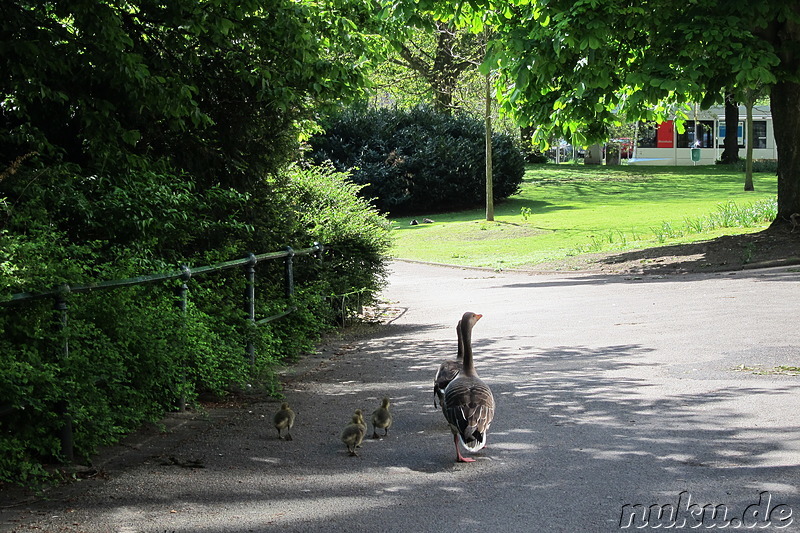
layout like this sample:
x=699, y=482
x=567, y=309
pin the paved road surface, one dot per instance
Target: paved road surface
x=611, y=392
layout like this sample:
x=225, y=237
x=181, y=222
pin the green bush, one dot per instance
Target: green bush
x=132, y=354
x=759, y=165
x=160, y=160
x=763, y=165
x=418, y=160
x=327, y=204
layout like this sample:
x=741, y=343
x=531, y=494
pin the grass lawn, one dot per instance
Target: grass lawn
x=568, y=210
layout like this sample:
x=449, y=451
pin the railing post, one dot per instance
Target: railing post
x=62, y=407
x=183, y=295
x=250, y=269
x=183, y=290
x=287, y=263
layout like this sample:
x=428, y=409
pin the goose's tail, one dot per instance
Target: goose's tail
x=477, y=443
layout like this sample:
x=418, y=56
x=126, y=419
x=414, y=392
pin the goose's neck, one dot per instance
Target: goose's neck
x=460, y=355
x=466, y=338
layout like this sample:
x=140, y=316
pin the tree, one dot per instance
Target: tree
x=749, y=96
x=488, y=134
x=119, y=100
x=573, y=67
x=439, y=54
x=441, y=64
x=731, y=152
x=214, y=88
x=145, y=134
x=748, y=171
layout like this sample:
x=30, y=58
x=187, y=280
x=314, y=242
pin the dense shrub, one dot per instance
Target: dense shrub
x=762, y=165
x=132, y=354
x=418, y=160
x=759, y=165
x=326, y=203
x=134, y=141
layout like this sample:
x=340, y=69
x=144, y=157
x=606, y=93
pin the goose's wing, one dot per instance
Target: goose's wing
x=447, y=372
x=469, y=408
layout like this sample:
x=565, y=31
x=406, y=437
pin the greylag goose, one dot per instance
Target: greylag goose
x=381, y=418
x=448, y=370
x=353, y=433
x=284, y=419
x=468, y=401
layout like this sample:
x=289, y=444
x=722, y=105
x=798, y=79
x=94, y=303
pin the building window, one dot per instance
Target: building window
x=759, y=134
x=697, y=134
x=647, y=135
x=739, y=134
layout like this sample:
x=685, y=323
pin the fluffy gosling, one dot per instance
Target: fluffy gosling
x=381, y=418
x=284, y=419
x=353, y=433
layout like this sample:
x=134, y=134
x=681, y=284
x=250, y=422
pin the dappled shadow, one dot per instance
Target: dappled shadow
x=584, y=279
x=600, y=279
x=513, y=207
x=507, y=208
x=682, y=182
x=577, y=427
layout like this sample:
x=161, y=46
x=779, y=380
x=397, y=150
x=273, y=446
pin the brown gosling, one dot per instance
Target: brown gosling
x=284, y=419
x=381, y=418
x=362, y=423
x=353, y=433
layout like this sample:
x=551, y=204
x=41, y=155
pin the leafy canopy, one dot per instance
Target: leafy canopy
x=572, y=67
x=209, y=85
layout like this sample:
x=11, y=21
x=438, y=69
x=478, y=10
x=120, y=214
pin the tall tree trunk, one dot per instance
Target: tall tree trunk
x=785, y=103
x=489, y=184
x=748, y=165
x=444, y=72
x=455, y=52
x=731, y=152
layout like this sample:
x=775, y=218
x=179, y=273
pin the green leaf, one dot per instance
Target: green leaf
x=131, y=136
x=225, y=26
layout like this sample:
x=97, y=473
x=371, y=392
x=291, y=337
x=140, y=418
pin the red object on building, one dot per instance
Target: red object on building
x=665, y=135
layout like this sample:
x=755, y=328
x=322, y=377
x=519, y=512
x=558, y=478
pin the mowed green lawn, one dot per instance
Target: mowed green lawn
x=568, y=210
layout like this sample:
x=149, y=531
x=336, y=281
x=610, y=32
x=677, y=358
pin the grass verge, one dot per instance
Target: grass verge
x=568, y=210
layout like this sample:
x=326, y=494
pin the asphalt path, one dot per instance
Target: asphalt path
x=647, y=402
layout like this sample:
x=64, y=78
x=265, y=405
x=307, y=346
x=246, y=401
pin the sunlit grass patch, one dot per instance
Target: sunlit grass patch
x=566, y=210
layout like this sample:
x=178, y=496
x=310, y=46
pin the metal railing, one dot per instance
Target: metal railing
x=61, y=294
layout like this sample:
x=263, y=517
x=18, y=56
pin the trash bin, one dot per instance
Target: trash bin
x=695, y=154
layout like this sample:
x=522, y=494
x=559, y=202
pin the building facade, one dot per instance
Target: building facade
x=702, y=141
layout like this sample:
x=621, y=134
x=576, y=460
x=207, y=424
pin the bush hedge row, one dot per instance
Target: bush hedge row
x=417, y=160
x=132, y=354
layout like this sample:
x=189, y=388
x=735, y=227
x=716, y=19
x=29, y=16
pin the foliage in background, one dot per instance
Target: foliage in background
x=438, y=54
x=416, y=160
x=433, y=64
x=572, y=68
x=759, y=165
